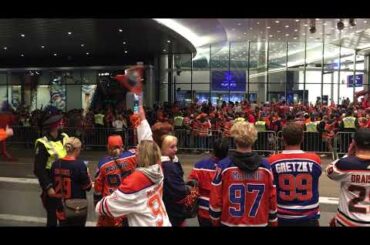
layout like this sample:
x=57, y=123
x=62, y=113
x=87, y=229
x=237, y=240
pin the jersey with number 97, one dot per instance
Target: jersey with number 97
x=241, y=198
x=296, y=175
x=354, y=199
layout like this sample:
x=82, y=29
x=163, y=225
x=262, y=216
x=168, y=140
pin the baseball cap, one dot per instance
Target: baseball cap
x=362, y=138
x=115, y=141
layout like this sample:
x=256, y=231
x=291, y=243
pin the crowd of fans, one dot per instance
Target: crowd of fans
x=205, y=119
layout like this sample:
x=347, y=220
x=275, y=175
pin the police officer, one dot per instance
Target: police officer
x=311, y=126
x=48, y=149
x=349, y=123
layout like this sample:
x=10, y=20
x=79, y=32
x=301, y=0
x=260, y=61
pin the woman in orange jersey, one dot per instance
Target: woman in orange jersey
x=112, y=169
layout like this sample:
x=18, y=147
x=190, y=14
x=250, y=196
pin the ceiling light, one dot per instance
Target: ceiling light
x=164, y=50
x=168, y=41
x=295, y=38
x=82, y=45
x=245, y=33
x=268, y=27
x=325, y=24
x=55, y=54
x=87, y=53
x=287, y=35
x=250, y=28
x=296, y=30
x=22, y=35
x=270, y=35
x=126, y=51
x=120, y=30
x=5, y=48
x=286, y=26
x=277, y=21
x=124, y=43
x=258, y=23
x=69, y=33
x=42, y=46
x=365, y=21
x=305, y=25
x=22, y=55
x=297, y=20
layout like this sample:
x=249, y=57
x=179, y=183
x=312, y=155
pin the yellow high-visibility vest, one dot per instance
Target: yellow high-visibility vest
x=178, y=121
x=349, y=122
x=311, y=127
x=54, y=148
x=260, y=126
x=239, y=119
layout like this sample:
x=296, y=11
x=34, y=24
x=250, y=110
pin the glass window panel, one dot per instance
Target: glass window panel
x=72, y=77
x=201, y=60
x=89, y=77
x=296, y=54
x=277, y=55
x=3, y=78
x=239, y=55
x=43, y=96
x=220, y=55
x=3, y=96
x=201, y=76
x=182, y=61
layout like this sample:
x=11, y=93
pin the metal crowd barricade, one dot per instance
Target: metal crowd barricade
x=342, y=140
x=191, y=140
x=25, y=136
x=279, y=141
x=313, y=142
x=266, y=142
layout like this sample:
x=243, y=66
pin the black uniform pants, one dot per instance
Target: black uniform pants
x=50, y=204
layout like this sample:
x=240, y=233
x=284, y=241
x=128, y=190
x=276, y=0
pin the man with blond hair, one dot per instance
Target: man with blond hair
x=242, y=191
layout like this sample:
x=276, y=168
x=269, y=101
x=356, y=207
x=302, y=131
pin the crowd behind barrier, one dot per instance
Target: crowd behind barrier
x=268, y=142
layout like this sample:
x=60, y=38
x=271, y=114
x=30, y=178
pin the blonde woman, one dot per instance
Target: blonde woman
x=243, y=192
x=70, y=179
x=139, y=197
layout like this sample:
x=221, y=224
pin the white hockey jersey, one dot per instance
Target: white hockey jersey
x=139, y=198
x=354, y=200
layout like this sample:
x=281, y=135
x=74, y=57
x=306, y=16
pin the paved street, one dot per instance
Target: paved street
x=21, y=205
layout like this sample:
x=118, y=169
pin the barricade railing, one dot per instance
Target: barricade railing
x=312, y=142
x=192, y=140
x=267, y=142
x=25, y=136
x=342, y=140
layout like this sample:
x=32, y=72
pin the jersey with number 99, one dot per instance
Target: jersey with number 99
x=296, y=174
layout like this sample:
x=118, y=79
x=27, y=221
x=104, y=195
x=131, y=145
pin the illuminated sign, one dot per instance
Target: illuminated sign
x=229, y=80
